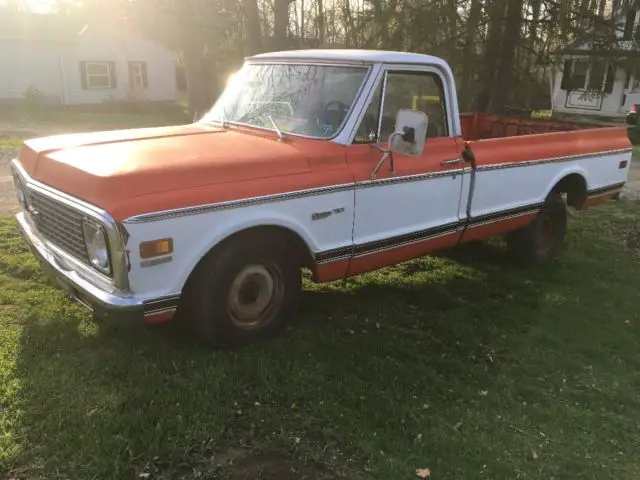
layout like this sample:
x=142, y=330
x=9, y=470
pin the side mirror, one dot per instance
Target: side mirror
x=410, y=133
x=407, y=139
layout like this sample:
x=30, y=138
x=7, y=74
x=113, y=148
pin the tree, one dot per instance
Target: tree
x=499, y=50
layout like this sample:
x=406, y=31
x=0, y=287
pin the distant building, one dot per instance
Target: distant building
x=67, y=63
x=591, y=83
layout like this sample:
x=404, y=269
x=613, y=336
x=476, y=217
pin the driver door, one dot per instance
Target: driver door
x=407, y=214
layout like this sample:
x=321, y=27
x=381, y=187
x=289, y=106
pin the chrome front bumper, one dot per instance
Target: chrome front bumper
x=107, y=306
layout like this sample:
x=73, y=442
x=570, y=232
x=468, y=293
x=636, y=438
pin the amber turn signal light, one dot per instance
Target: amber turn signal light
x=156, y=248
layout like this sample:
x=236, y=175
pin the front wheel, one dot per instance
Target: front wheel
x=543, y=239
x=244, y=292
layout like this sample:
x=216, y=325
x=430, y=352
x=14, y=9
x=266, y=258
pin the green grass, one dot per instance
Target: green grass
x=462, y=363
x=10, y=143
x=91, y=117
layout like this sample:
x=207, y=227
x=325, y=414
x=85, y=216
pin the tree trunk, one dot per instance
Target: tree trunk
x=603, y=4
x=452, y=18
x=281, y=23
x=302, y=32
x=564, y=17
x=320, y=20
x=197, y=91
x=195, y=71
x=252, y=22
x=510, y=42
x=496, y=13
x=468, y=54
x=348, y=24
x=382, y=25
x=585, y=15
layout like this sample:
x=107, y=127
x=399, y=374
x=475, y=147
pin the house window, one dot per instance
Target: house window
x=98, y=75
x=138, y=75
x=585, y=75
x=579, y=76
x=596, y=76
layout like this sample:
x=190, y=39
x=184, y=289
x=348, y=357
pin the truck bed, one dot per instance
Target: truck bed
x=478, y=126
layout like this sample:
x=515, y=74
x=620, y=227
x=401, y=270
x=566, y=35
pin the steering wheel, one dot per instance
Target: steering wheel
x=333, y=118
x=342, y=107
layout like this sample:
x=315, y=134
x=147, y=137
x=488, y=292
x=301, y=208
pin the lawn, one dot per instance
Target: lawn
x=461, y=363
x=10, y=143
x=15, y=119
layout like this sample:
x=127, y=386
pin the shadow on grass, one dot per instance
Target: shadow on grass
x=426, y=363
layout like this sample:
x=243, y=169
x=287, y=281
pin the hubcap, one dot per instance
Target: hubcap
x=254, y=295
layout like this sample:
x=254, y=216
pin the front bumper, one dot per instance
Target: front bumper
x=107, y=306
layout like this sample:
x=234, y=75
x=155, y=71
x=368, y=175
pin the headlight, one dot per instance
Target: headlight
x=97, y=247
x=22, y=199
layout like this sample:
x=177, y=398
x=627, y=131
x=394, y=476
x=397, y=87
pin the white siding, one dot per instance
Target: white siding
x=24, y=65
x=96, y=46
x=54, y=69
x=609, y=106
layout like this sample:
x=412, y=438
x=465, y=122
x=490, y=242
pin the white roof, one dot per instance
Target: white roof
x=355, y=56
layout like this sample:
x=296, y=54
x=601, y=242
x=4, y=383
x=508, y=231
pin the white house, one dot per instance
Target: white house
x=69, y=63
x=600, y=80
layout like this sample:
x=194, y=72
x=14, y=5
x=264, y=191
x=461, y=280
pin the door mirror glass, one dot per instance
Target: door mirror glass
x=410, y=132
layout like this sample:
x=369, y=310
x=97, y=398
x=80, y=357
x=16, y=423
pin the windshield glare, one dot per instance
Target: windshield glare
x=309, y=100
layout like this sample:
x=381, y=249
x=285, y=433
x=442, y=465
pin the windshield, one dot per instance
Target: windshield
x=309, y=100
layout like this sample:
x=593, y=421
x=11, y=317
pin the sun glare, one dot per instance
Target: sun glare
x=40, y=6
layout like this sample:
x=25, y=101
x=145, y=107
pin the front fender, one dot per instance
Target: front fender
x=245, y=222
x=193, y=237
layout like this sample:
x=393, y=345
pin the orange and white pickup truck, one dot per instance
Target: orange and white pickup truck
x=340, y=161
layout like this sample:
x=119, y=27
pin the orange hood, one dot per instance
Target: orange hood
x=107, y=168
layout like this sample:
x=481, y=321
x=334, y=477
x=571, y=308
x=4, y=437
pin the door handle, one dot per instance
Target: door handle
x=451, y=162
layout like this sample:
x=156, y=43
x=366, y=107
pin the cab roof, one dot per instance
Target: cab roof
x=353, y=56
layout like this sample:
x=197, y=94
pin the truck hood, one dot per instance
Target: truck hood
x=107, y=168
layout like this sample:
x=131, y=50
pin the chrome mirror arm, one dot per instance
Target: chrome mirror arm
x=375, y=170
x=387, y=153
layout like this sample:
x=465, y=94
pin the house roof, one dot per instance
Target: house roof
x=39, y=27
x=620, y=48
x=589, y=42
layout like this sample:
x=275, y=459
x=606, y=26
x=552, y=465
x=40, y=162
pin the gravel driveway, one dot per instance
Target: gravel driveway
x=8, y=203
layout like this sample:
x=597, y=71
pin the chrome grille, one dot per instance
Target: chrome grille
x=59, y=224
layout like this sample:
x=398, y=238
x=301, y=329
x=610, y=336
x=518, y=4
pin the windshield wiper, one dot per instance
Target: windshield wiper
x=275, y=126
x=223, y=118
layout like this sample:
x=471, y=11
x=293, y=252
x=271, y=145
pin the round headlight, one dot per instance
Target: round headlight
x=97, y=247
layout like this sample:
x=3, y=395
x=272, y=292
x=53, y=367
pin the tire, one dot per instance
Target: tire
x=543, y=239
x=244, y=292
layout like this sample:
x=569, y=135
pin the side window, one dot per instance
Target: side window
x=414, y=90
x=417, y=91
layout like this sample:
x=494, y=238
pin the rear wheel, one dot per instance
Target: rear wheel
x=543, y=239
x=244, y=292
